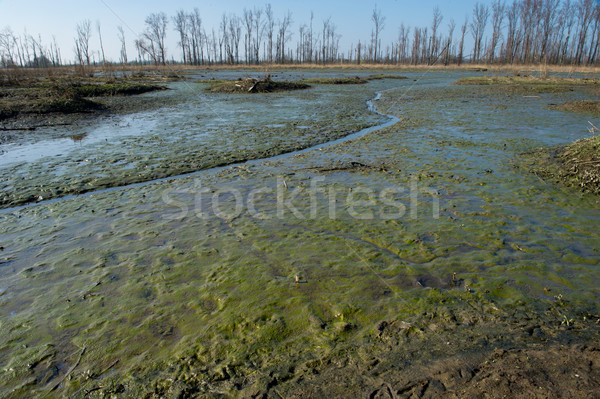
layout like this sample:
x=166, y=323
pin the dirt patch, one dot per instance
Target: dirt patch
x=552, y=372
x=252, y=85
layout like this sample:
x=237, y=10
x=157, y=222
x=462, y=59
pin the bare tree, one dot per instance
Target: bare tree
x=448, y=45
x=123, y=53
x=461, y=45
x=249, y=25
x=403, y=43
x=258, y=33
x=155, y=34
x=549, y=12
x=235, y=32
x=481, y=14
x=584, y=18
x=82, y=42
x=180, y=20
x=513, y=33
x=269, y=30
x=8, y=48
x=498, y=8
x=101, y=44
x=197, y=38
x=283, y=36
x=378, y=25
x=434, y=41
x=566, y=19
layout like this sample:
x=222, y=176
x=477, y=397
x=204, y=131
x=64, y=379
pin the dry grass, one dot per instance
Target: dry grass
x=581, y=163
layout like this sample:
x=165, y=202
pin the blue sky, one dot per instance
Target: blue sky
x=352, y=18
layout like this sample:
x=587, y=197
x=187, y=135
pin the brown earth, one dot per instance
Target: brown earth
x=544, y=372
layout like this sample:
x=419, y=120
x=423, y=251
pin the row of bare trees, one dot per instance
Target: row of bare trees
x=27, y=51
x=505, y=31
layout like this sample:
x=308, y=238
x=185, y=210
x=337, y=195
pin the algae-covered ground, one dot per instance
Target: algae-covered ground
x=423, y=259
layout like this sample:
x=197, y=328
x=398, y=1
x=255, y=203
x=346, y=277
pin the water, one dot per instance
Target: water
x=169, y=279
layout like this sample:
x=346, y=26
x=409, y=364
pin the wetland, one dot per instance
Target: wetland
x=371, y=235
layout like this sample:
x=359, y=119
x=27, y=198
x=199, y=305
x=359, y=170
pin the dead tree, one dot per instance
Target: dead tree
x=180, y=20
x=434, y=41
x=378, y=25
x=155, y=34
x=101, y=44
x=123, y=53
x=269, y=30
x=283, y=36
x=498, y=8
x=481, y=14
x=82, y=42
x=461, y=45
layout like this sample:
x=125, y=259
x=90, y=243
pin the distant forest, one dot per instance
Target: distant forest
x=560, y=32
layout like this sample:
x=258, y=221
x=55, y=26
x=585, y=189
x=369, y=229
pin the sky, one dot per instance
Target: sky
x=352, y=18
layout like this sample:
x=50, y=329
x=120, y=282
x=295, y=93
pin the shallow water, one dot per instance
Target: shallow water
x=200, y=132
x=170, y=280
